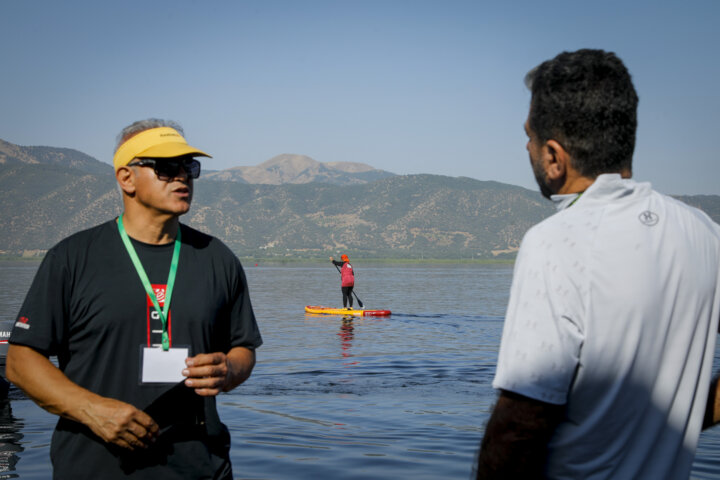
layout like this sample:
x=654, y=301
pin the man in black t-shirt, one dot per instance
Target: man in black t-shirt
x=149, y=319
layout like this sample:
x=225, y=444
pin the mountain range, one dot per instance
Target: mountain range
x=289, y=168
x=295, y=207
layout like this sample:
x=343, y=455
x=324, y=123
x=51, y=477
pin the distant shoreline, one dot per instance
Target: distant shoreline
x=369, y=260
x=251, y=261
x=21, y=258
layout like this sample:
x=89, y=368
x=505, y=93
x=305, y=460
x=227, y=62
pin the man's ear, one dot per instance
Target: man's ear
x=126, y=179
x=557, y=160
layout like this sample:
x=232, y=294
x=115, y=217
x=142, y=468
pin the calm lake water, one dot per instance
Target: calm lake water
x=366, y=398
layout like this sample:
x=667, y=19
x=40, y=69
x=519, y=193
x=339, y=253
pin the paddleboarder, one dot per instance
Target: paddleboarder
x=347, y=279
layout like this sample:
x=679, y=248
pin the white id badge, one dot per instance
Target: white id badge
x=161, y=366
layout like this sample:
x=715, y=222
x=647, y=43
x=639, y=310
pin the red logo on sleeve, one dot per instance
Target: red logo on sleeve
x=23, y=322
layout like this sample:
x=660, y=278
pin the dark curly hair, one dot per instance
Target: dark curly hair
x=586, y=101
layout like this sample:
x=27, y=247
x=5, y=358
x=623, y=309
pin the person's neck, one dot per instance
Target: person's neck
x=150, y=228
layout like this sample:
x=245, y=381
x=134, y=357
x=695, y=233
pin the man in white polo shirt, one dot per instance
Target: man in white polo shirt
x=605, y=362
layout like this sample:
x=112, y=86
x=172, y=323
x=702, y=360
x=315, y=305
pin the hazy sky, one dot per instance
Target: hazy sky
x=407, y=86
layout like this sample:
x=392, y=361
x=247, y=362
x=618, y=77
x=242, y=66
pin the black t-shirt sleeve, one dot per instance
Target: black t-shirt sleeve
x=40, y=323
x=244, y=328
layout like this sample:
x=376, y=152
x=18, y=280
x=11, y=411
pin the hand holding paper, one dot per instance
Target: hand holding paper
x=212, y=373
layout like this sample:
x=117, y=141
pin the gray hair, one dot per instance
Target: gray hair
x=141, y=126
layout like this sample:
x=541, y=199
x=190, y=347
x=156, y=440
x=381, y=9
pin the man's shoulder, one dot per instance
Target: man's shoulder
x=73, y=249
x=194, y=236
x=677, y=215
x=680, y=204
x=578, y=224
x=548, y=228
x=562, y=237
x=83, y=238
x=202, y=241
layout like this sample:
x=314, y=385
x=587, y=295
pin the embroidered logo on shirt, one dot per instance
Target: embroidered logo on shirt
x=23, y=323
x=649, y=218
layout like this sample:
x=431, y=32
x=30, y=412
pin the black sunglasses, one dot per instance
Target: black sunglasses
x=168, y=168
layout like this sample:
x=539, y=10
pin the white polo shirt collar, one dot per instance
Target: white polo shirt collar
x=608, y=186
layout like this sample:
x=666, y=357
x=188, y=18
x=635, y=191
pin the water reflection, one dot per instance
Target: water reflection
x=10, y=438
x=346, y=335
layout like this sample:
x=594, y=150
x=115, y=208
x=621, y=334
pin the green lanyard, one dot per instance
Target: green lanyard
x=575, y=199
x=146, y=282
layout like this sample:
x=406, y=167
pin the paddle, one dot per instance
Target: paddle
x=353, y=290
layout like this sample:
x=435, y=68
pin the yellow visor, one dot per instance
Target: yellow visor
x=160, y=142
